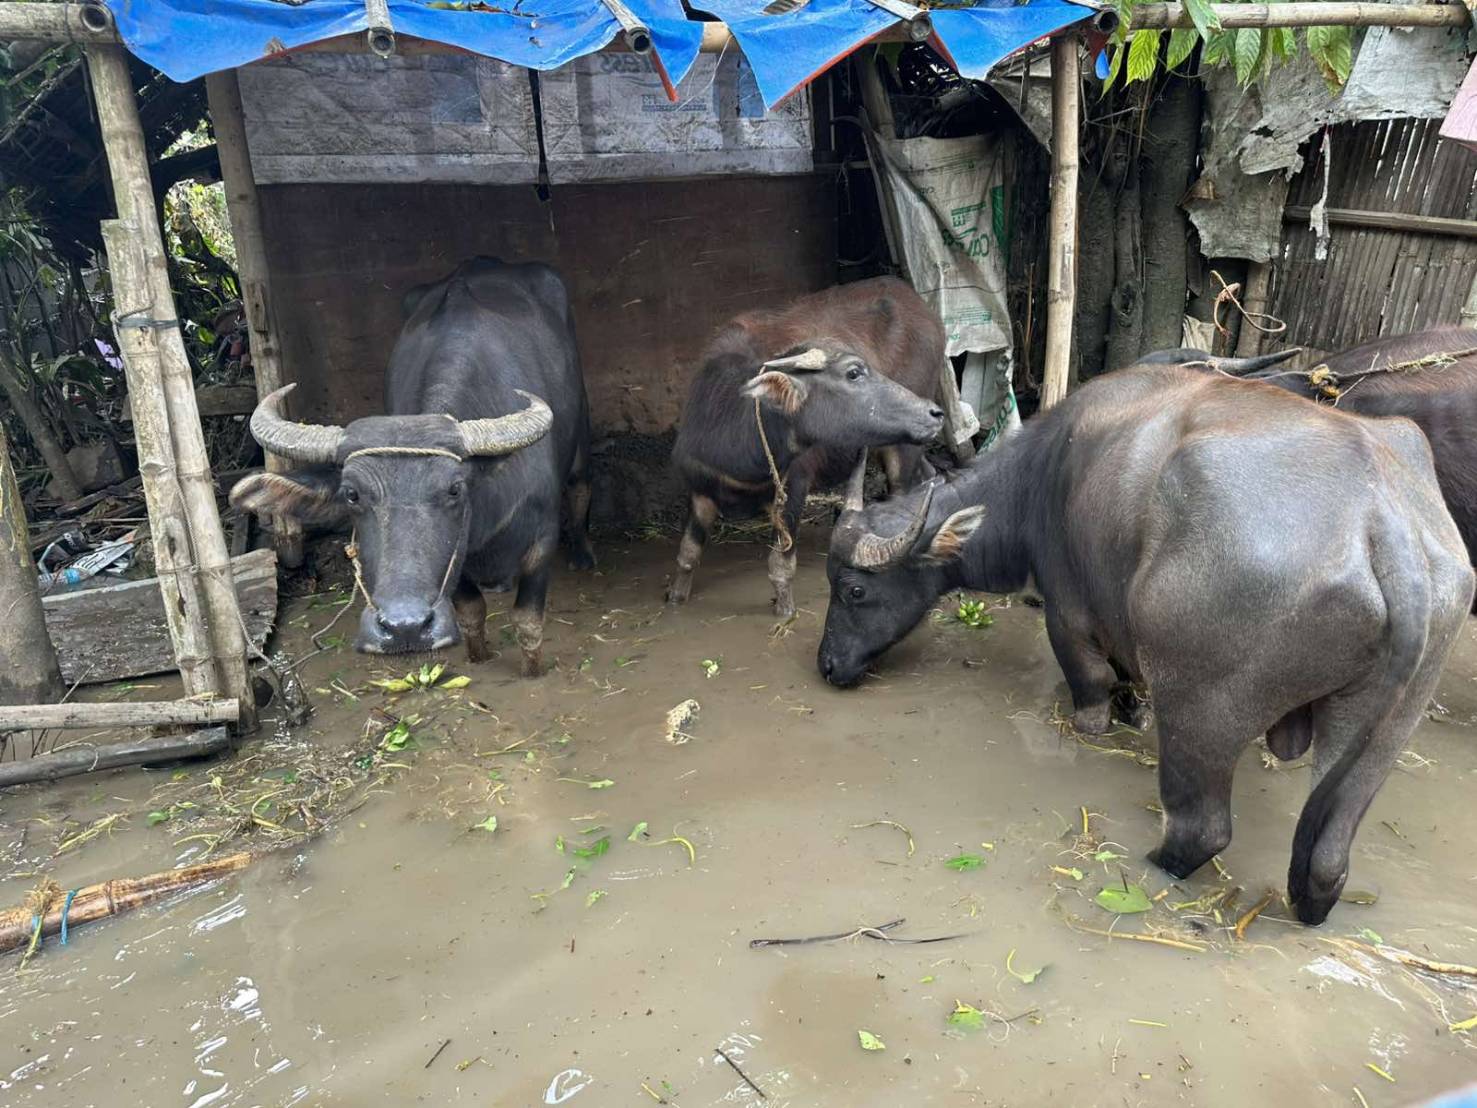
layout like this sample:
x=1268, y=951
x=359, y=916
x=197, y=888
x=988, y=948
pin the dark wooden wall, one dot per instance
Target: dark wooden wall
x=653, y=269
x=1378, y=282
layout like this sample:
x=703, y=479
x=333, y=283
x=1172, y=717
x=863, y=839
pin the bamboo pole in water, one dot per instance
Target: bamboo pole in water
x=174, y=558
x=133, y=193
x=1061, y=280
x=110, y=898
x=244, y=207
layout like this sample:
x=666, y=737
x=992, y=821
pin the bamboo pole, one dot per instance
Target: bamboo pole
x=244, y=206
x=68, y=23
x=1061, y=282
x=174, y=559
x=140, y=713
x=1317, y=13
x=1254, y=303
x=110, y=898
x=133, y=193
x=83, y=758
x=28, y=667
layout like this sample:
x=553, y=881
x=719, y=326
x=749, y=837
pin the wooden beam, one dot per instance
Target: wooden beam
x=1318, y=13
x=1254, y=301
x=244, y=207
x=1389, y=221
x=133, y=193
x=143, y=713
x=1061, y=277
x=89, y=758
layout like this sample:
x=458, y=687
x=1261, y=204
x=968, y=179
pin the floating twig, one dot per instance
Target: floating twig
x=444, y=1044
x=1251, y=914
x=747, y=1079
x=878, y=932
x=887, y=823
x=1137, y=936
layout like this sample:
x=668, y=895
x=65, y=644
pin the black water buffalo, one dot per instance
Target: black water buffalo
x=459, y=486
x=833, y=374
x=1430, y=377
x=1263, y=565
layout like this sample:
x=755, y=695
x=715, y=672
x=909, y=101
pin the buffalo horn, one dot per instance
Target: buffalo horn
x=875, y=552
x=298, y=442
x=807, y=360
x=854, y=487
x=1240, y=367
x=507, y=433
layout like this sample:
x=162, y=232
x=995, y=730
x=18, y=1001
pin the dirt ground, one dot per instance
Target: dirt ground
x=405, y=953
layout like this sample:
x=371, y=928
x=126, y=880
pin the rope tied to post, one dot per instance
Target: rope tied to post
x=1227, y=295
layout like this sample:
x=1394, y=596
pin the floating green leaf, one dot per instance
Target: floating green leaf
x=636, y=832
x=489, y=824
x=568, y=879
x=456, y=682
x=1371, y=936
x=603, y=783
x=158, y=817
x=1025, y=977
x=559, y=843
x=594, y=850
x=964, y=862
x=966, y=1017
x=1106, y=855
x=393, y=684
x=594, y=898
x=710, y=667
x=870, y=1041
x=1124, y=899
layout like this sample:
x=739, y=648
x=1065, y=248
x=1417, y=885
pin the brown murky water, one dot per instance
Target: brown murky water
x=334, y=971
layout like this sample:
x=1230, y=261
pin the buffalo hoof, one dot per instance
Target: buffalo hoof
x=1313, y=910
x=1174, y=862
x=784, y=607
x=1092, y=721
x=533, y=665
x=582, y=556
x=680, y=589
x=477, y=652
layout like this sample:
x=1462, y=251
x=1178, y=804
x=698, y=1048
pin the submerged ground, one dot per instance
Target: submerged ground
x=590, y=946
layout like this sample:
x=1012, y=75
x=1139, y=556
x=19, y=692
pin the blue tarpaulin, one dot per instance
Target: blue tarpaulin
x=786, y=45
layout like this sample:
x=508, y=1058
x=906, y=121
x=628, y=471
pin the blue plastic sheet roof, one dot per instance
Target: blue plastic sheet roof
x=785, y=48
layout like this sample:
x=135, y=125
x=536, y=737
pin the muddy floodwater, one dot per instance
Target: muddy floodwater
x=590, y=946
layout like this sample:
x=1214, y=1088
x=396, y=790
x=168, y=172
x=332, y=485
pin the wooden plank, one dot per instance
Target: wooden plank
x=139, y=713
x=118, y=631
x=1391, y=221
x=1460, y=124
x=89, y=758
x=214, y=401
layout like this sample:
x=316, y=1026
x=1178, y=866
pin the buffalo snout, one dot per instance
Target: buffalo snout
x=407, y=626
x=837, y=669
x=928, y=427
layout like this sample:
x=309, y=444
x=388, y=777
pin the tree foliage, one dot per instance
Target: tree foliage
x=1249, y=51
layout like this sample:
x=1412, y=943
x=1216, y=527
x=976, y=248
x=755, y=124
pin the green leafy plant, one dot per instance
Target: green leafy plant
x=963, y=862
x=427, y=677
x=1136, y=55
x=1124, y=899
x=972, y=613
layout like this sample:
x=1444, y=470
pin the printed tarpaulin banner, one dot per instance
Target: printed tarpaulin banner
x=186, y=39
x=948, y=202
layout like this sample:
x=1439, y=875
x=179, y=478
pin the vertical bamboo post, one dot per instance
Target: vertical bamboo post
x=1061, y=285
x=1258, y=287
x=133, y=194
x=28, y=669
x=174, y=560
x=244, y=205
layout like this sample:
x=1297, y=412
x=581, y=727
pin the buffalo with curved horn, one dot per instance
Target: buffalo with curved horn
x=459, y=487
x=1165, y=516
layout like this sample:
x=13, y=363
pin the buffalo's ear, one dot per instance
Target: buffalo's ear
x=776, y=390
x=948, y=541
x=310, y=496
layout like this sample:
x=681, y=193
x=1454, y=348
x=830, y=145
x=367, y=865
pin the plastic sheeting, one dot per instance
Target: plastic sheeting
x=186, y=39
x=787, y=42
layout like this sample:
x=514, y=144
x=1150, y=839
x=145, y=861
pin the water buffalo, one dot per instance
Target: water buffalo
x=1263, y=565
x=1430, y=377
x=832, y=375
x=459, y=486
